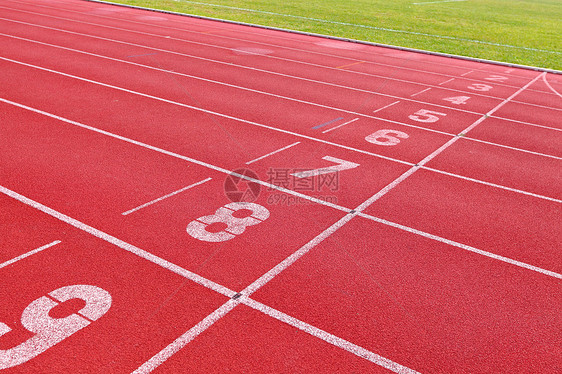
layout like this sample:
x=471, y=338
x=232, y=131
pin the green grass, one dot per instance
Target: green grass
x=530, y=31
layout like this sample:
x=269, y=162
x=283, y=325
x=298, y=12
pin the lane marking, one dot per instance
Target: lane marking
x=463, y=246
x=347, y=210
x=260, y=70
x=272, y=153
x=352, y=64
x=263, y=43
x=327, y=123
x=30, y=253
x=143, y=55
x=186, y=338
x=422, y=91
x=164, y=197
x=292, y=99
x=468, y=72
x=447, y=81
x=380, y=28
x=338, y=126
x=328, y=338
x=119, y=243
x=181, y=157
x=542, y=197
x=437, y=2
x=386, y=106
x=220, y=169
x=252, y=68
x=549, y=86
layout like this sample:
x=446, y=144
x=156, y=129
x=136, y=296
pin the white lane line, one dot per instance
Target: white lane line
x=447, y=81
x=296, y=100
x=235, y=86
x=422, y=91
x=549, y=86
x=380, y=28
x=327, y=337
x=386, y=106
x=468, y=72
x=257, y=69
x=227, y=171
x=463, y=246
x=338, y=126
x=165, y=197
x=184, y=339
x=119, y=243
x=181, y=157
x=263, y=43
x=542, y=197
x=264, y=279
x=437, y=2
x=30, y=253
x=272, y=153
x=341, y=208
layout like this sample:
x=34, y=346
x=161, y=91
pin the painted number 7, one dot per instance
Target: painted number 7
x=341, y=165
x=50, y=331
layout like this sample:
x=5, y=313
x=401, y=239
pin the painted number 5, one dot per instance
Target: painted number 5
x=226, y=216
x=50, y=331
x=426, y=116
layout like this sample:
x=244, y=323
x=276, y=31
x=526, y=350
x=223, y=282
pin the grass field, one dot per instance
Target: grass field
x=525, y=32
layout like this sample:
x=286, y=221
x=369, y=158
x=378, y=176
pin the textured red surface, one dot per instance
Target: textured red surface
x=109, y=114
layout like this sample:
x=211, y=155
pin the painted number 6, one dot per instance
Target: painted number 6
x=50, y=331
x=386, y=137
x=225, y=215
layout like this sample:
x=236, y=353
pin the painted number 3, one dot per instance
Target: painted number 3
x=50, y=330
x=235, y=216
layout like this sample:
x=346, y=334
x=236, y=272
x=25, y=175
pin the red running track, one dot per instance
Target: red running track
x=187, y=195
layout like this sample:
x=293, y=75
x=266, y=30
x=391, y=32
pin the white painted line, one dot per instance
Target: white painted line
x=437, y=2
x=30, y=253
x=252, y=68
x=463, y=246
x=386, y=106
x=422, y=91
x=183, y=340
x=327, y=337
x=165, y=197
x=338, y=126
x=119, y=243
x=261, y=281
x=260, y=70
x=549, y=86
x=272, y=153
x=447, y=81
x=215, y=167
x=380, y=28
x=542, y=197
x=238, y=87
x=468, y=72
x=263, y=43
x=181, y=157
x=296, y=100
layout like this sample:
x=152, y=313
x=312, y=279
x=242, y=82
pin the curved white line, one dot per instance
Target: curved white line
x=549, y=86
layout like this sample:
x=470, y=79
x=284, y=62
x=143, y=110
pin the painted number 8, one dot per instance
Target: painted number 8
x=225, y=215
x=50, y=331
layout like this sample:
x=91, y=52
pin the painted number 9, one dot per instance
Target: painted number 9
x=50, y=331
x=226, y=215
